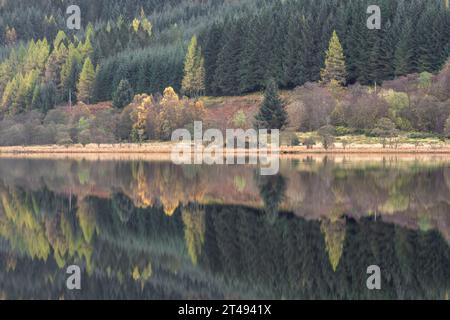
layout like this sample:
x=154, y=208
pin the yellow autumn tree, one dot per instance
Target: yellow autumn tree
x=193, y=82
x=139, y=118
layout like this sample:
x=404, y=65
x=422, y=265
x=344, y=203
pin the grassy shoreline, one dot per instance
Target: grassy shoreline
x=166, y=148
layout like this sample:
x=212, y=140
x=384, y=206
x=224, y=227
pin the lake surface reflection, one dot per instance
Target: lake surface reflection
x=153, y=230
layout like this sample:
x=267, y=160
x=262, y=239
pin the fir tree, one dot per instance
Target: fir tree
x=70, y=73
x=272, y=113
x=404, y=53
x=123, y=95
x=86, y=82
x=212, y=48
x=334, y=63
x=226, y=78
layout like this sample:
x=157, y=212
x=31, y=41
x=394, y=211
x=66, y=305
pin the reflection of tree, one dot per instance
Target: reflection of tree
x=447, y=178
x=142, y=194
x=38, y=236
x=398, y=198
x=235, y=252
x=20, y=225
x=142, y=275
x=238, y=251
x=272, y=190
x=194, y=231
x=86, y=218
x=122, y=206
x=403, y=190
x=334, y=232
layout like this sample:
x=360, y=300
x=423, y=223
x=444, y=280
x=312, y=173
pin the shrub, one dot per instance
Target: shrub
x=343, y=131
x=309, y=142
x=295, y=141
x=327, y=134
x=447, y=128
x=239, y=119
x=420, y=135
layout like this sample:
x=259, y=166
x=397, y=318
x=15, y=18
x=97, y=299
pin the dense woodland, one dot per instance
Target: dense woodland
x=218, y=47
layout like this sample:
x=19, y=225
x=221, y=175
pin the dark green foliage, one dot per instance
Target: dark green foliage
x=287, y=40
x=271, y=189
x=272, y=113
x=124, y=94
x=44, y=97
x=147, y=70
x=285, y=256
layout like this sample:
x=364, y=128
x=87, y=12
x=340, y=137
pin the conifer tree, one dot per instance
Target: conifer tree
x=211, y=51
x=86, y=82
x=70, y=73
x=334, y=63
x=251, y=70
x=194, y=70
x=272, y=113
x=404, y=53
x=123, y=95
x=54, y=66
x=226, y=78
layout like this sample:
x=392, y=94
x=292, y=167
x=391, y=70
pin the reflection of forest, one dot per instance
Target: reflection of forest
x=153, y=230
x=415, y=194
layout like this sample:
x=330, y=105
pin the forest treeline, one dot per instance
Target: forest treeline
x=287, y=41
x=217, y=48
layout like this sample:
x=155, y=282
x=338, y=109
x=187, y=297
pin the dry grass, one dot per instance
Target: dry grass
x=166, y=148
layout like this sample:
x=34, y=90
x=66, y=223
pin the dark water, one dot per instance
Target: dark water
x=154, y=230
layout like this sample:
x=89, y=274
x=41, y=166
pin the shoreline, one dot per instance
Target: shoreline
x=165, y=148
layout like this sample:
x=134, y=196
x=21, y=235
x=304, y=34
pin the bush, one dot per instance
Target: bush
x=447, y=128
x=343, y=131
x=13, y=136
x=239, y=119
x=84, y=137
x=295, y=141
x=309, y=142
x=421, y=135
x=327, y=134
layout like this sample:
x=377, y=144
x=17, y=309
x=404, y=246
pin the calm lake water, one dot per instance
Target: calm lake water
x=154, y=230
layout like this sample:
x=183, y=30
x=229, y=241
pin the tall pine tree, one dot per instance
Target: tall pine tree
x=334, y=63
x=272, y=113
x=86, y=83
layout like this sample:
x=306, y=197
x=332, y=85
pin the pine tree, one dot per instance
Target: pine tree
x=226, y=78
x=334, y=63
x=404, y=52
x=252, y=66
x=212, y=48
x=379, y=64
x=272, y=113
x=54, y=65
x=293, y=60
x=123, y=95
x=86, y=82
x=194, y=70
x=44, y=97
x=70, y=73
